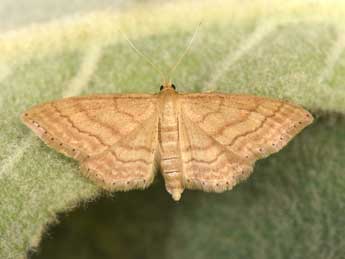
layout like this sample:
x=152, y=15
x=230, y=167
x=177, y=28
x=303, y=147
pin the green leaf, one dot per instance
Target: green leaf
x=291, y=207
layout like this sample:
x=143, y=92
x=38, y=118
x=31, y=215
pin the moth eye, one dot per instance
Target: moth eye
x=173, y=86
x=161, y=88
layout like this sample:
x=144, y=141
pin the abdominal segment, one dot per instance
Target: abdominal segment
x=170, y=154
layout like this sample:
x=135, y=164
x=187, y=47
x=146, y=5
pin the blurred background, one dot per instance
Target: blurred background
x=292, y=206
x=14, y=14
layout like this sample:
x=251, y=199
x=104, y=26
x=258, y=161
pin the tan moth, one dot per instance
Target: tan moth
x=205, y=141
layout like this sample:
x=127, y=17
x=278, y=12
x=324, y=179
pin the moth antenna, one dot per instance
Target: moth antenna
x=173, y=68
x=147, y=59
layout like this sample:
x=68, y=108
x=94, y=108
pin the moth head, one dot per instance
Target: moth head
x=167, y=86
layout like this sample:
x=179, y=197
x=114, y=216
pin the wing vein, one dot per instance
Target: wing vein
x=258, y=127
x=86, y=112
x=204, y=132
x=128, y=160
x=76, y=128
x=124, y=112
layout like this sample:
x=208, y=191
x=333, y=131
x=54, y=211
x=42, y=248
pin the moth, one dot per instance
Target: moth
x=204, y=141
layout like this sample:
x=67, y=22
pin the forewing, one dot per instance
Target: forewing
x=249, y=126
x=130, y=163
x=223, y=135
x=80, y=127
